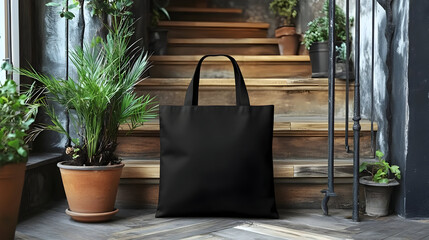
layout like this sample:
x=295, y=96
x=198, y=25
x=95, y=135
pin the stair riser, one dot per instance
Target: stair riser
x=284, y=147
x=233, y=49
x=224, y=69
x=287, y=102
x=140, y=194
x=206, y=17
x=218, y=32
x=189, y=3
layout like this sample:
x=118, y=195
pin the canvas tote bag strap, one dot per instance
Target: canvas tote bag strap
x=242, y=97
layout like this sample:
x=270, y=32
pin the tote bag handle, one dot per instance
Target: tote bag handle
x=242, y=98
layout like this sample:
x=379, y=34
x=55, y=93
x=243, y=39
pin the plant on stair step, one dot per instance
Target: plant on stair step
x=158, y=37
x=317, y=35
x=379, y=185
x=17, y=113
x=286, y=11
x=380, y=170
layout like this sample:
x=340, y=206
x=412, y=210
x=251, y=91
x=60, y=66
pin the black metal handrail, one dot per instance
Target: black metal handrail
x=331, y=112
x=356, y=118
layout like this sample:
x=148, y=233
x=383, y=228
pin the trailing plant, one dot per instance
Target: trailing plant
x=65, y=8
x=381, y=169
x=318, y=29
x=115, y=8
x=16, y=115
x=285, y=9
x=159, y=11
x=102, y=97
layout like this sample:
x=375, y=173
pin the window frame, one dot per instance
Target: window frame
x=9, y=36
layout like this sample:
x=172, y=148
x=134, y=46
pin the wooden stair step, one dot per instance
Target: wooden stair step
x=252, y=66
x=295, y=168
x=204, y=10
x=297, y=183
x=282, y=125
x=205, y=14
x=244, y=46
x=195, y=29
x=293, y=137
x=291, y=96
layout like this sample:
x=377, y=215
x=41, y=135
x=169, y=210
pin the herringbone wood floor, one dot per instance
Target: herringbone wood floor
x=53, y=223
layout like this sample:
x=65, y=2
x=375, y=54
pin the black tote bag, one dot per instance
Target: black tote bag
x=216, y=160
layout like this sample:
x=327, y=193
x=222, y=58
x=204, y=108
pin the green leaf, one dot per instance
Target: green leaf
x=379, y=154
x=14, y=143
x=163, y=10
x=53, y=4
x=363, y=166
x=69, y=15
x=73, y=5
x=22, y=152
x=384, y=180
x=6, y=66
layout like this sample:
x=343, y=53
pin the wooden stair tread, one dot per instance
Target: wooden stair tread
x=282, y=123
x=223, y=41
x=204, y=10
x=179, y=59
x=250, y=82
x=214, y=24
x=285, y=168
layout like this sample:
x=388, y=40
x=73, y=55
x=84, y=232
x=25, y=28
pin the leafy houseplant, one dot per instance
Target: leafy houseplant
x=380, y=170
x=317, y=35
x=286, y=11
x=98, y=101
x=16, y=116
x=378, y=186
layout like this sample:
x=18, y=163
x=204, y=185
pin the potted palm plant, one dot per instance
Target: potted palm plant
x=16, y=116
x=99, y=100
x=379, y=185
x=286, y=12
x=317, y=36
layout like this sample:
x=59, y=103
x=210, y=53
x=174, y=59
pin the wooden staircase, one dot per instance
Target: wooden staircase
x=300, y=143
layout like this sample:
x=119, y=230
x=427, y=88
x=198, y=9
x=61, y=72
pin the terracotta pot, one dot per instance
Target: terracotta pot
x=377, y=196
x=91, y=191
x=11, y=182
x=288, y=40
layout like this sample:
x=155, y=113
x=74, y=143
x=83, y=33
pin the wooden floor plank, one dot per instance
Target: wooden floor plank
x=282, y=232
x=54, y=224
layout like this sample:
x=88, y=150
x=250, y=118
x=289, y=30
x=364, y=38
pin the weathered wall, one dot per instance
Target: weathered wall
x=377, y=108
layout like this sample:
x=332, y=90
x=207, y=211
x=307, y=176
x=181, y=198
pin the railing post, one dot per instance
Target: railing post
x=347, y=75
x=331, y=115
x=356, y=118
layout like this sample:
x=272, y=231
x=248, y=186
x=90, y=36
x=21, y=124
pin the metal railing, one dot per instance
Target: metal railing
x=357, y=103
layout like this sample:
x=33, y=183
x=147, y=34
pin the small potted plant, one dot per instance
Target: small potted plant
x=317, y=36
x=16, y=116
x=379, y=185
x=286, y=12
x=340, y=66
x=158, y=40
x=99, y=100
